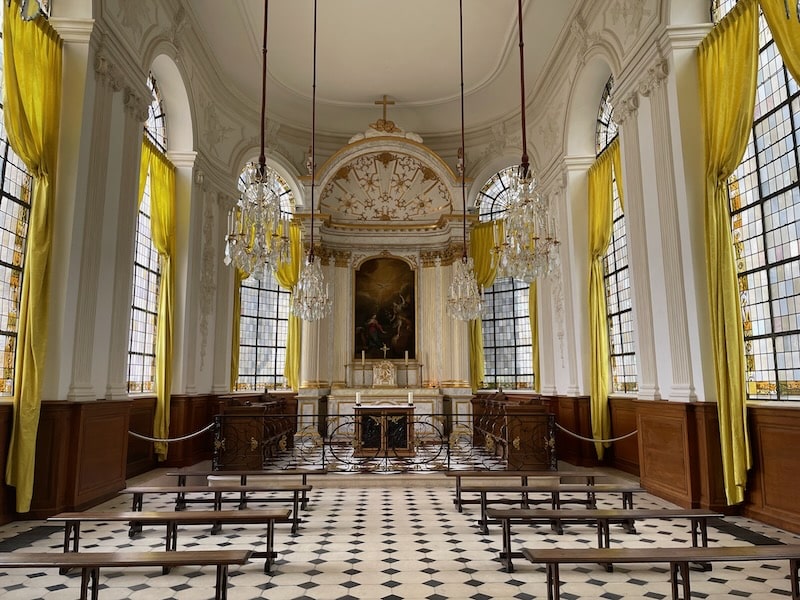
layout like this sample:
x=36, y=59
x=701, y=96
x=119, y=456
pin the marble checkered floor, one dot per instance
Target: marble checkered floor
x=391, y=538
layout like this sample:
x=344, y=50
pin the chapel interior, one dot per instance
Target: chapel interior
x=653, y=331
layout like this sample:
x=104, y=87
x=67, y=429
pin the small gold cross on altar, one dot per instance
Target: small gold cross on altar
x=385, y=350
x=386, y=102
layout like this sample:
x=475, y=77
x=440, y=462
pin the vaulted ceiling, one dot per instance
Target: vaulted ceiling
x=405, y=49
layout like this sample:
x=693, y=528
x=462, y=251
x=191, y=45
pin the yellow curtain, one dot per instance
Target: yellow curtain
x=162, y=224
x=32, y=104
x=786, y=32
x=600, y=223
x=238, y=277
x=727, y=66
x=533, y=312
x=287, y=274
x=482, y=238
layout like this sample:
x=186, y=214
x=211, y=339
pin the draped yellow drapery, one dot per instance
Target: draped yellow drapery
x=601, y=202
x=238, y=277
x=481, y=241
x=727, y=67
x=287, y=274
x=785, y=32
x=162, y=225
x=31, y=105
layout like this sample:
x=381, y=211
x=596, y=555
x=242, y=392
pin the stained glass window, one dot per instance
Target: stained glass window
x=507, y=345
x=15, y=206
x=764, y=198
x=619, y=310
x=146, y=271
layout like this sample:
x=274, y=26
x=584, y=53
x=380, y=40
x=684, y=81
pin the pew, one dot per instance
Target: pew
x=588, y=476
x=216, y=490
x=553, y=492
x=171, y=520
x=90, y=563
x=678, y=559
x=600, y=518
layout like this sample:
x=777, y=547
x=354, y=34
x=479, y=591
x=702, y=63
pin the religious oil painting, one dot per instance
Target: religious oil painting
x=385, y=315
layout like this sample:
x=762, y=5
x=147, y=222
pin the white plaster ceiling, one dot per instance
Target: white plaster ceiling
x=406, y=49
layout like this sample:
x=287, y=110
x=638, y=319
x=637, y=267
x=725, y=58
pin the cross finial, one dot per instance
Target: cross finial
x=385, y=102
x=385, y=350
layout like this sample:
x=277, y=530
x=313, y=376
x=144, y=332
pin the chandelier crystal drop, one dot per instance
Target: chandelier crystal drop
x=464, y=298
x=311, y=301
x=310, y=298
x=529, y=248
x=258, y=238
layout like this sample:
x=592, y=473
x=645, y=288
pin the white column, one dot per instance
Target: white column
x=574, y=377
x=106, y=83
x=654, y=88
x=627, y=115
x=127, y=192
x=224, y=302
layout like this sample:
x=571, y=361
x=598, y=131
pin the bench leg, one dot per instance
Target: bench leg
x=795, y=577
x=457, y=499
x=700, y=532
x=89, y=577
x=222, y=582
x=553, y=583
x=136, y=506
x=483, y=525
x=270, y=545
x=295, y=512
x=72, y=534
x=505, y=556
x=304, y=500
x=172, y=541
x=682, y=568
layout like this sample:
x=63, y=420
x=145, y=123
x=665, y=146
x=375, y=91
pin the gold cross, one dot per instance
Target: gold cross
x=385, y=348
x=385, y=102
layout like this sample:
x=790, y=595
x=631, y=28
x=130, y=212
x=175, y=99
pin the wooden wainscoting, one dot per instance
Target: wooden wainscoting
x=188, y=415
x=624, y=453
x=573, y=414
x=7, y=496
x=775, y=439
x=141, y=457
x=81, y=449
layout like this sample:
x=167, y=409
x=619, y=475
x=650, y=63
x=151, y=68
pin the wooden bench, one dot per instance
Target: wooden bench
x=553, y=492
x=303, y=474
x=216, y=490
x=600, y=518
x=90, y=563
x=678, y=559
x=72, y=524
x=588, y=475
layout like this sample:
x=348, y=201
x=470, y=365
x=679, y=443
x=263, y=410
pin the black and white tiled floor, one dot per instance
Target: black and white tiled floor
x=391, y=538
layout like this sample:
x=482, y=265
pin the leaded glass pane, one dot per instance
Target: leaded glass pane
x=263, y=329
x=765, y=211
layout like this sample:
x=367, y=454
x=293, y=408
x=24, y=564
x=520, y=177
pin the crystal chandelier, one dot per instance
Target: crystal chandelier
x=310, y=298
x=529, y=248
x=257, y=240
x=464, y=298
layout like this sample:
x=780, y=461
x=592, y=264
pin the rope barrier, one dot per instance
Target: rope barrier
x=179, y=439
x=585, y=439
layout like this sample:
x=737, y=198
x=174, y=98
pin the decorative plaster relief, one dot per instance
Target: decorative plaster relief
x=584, y=40
x=385, y=186
x=629, y=15
x=208, y=272
x=656, y=75
x=135, y=106
x=627, y=107
x=214, y=132
x=135, y=15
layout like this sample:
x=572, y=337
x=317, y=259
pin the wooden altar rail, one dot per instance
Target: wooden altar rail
x=524, y=435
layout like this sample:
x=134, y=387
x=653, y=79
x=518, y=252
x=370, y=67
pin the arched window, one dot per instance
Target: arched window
x=146, y=270
x=764, y=194
x=264, y=318
x=507, y=346
x=615, y=264
x=15, y=205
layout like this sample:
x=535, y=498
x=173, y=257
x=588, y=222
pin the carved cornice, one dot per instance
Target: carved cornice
x=106, y=72
x=627, y=107
x=135, y=105
x=656, y=75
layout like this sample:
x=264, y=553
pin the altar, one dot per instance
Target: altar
x=384, y=429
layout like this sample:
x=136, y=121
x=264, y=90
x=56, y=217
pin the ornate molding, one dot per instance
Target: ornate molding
x=135, y=105
x=630, y=14
x=106, y=72
x=208, y=275
x=627, y=107
x=584, y=39
x=656, y=75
